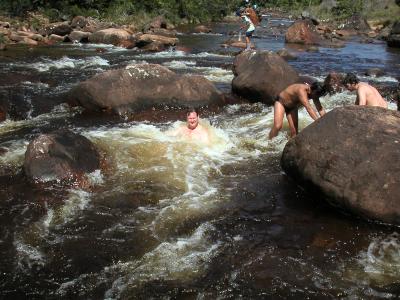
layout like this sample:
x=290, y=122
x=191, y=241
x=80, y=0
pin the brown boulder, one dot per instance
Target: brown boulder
x=350, y=158
x=154, y=47
x=60, y=28
x=56, y=38
x=79, y=36
x=202, y=29
x=333, y=83
x=60, y=156
x=145, y=39
x=261, y=75
x=110, y=36
x=143, y=86
x=158, y=22
x=303, y=32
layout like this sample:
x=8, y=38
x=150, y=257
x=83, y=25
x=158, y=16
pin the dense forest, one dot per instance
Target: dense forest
x=174, y=10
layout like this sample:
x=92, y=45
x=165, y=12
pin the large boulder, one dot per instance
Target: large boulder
x=60, y=156
x=79, y=36
x=306, y=33
x=59, y=28
x=143, y=86
x=261, y=75
x=146, y=38
x=394, y=37
x=112, y=36
x=303, y=32
x=358, y=23
x=350, y=156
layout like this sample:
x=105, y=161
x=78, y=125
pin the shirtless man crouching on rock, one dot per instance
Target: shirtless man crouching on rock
x=193, y=130
x=289, y=101
x=366, y=94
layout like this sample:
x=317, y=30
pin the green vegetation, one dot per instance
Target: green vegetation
x=2, y=39
x=122, y=11
x=193, y=11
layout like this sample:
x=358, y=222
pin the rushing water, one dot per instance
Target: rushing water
x=174, y=219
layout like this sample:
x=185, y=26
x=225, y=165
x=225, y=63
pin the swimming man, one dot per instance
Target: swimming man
x=193, y=130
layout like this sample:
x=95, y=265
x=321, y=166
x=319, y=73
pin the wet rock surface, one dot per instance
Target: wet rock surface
x=60, y=156
x=139, y=87
x=261, y=75
x=353, y=168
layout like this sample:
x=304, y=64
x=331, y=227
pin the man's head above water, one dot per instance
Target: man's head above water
x=350, y=81
x=192, y=118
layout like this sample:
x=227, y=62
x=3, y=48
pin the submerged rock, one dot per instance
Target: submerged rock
x=60, y=156
x=143, y=86
x=261, y=75
x=350, y=156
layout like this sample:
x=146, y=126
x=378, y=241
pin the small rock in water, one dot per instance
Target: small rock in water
x=375, y=72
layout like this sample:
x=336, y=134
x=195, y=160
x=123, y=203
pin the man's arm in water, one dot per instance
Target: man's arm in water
x=319, y=107
x=303, y=97
x=361, y=96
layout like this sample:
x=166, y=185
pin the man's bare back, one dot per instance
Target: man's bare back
x=368, y=95
x=288, y=102
x=291, y=96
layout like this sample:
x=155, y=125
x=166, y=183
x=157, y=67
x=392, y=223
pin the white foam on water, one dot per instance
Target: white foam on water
x=180, y=64
x=95, y=178
x=183, y=259
x=171, y=53
x=77, y=201
x=379, y=265
x=89, y=46
x=28, y=256
x=373, y=79
x=36, y=85
x=206, y=34
x=68, y=63
x=60, y=111
x=211, y=73
x=15, y=153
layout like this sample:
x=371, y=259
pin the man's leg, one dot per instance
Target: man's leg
x=279, y=112
x=293, y=120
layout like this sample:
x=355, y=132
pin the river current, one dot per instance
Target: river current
x=171, y=219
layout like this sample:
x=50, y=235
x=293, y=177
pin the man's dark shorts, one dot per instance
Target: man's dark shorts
x=249, y=33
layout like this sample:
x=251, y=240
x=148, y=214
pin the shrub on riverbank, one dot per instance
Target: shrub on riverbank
x=118, y=11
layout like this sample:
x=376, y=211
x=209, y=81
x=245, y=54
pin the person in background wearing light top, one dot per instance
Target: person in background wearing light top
x=248, y=24
x=366, y=94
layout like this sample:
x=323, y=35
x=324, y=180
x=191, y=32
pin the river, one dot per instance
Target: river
x=170, y=219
